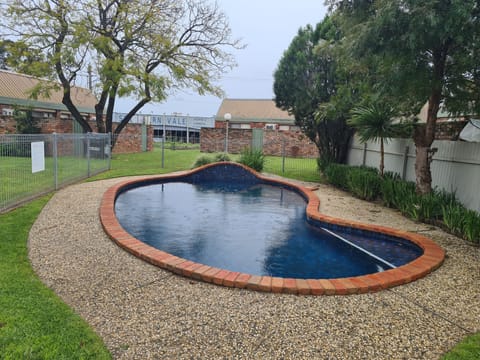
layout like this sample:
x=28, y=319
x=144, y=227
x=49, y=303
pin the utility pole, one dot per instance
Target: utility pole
x=89, y=71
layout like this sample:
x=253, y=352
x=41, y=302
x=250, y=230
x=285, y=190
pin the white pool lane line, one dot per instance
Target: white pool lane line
x=360, y=248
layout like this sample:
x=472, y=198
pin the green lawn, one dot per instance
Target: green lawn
x=467, y=349
x=293, y=168
x=18, y=181
x=36, y=324
x=151, y=163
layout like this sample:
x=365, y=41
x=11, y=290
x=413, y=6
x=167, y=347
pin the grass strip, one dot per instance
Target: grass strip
x=34, y=322
x=467, y=349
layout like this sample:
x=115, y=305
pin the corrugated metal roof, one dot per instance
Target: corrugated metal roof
x=16, y=87
x=260, y=110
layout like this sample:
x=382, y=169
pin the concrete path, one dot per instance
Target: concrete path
x=143, y=312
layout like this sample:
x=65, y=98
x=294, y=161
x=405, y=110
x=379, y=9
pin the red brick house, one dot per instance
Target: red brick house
x=257, y=123
x=53, y=116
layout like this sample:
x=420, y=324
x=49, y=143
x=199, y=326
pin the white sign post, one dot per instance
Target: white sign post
x=38, y=156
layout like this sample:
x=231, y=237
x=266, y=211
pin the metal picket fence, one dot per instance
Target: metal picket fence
x=32, y=165
x=279, y=159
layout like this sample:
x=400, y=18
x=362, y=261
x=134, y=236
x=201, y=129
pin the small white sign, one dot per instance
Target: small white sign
x=38, y=156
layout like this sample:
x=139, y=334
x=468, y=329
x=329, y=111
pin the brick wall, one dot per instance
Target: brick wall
x=130, y=139
x=295, y=142
x=449, y=130
x=213, y=140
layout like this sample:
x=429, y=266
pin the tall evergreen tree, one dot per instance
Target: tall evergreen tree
x=305, y=81
x=422, y=51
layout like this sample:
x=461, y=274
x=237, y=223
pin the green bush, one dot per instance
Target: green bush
x=426, y=208
x=322, y=164
x=391, y=175
x=387, y=191
x=436, y=207
x=462, y=221
x=222, y=157
x=401, y=196
x=453, y=215
x=364, y=183
x=202, y=160
x=337, y=175
x=471, y=226
x=252, y=158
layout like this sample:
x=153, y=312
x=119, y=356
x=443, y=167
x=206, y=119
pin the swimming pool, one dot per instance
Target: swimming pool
x=226, y=224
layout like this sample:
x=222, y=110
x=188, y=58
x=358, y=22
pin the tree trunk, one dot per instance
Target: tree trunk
x=422, y=170
x=382, y=157
x=423, y=138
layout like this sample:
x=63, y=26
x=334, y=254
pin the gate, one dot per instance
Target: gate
x=257, y=139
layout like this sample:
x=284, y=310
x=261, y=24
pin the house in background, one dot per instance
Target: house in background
x=53, y=116
x=254, y=114
x=256, y=123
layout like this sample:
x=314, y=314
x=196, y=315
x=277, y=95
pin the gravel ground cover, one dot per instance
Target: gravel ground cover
x=143, y=312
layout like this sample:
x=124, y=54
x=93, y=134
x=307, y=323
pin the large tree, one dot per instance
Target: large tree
x=305, y=84
x=422, y=51
x=144, y=48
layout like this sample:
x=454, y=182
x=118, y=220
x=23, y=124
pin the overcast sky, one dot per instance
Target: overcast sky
x=267, y=27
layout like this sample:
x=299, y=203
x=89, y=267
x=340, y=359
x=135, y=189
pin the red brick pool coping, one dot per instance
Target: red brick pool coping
x=432, y=258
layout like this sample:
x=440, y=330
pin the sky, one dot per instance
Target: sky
x=267, y=27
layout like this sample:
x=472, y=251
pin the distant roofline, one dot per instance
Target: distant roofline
x=41, y=79
x=257, y=120
x=252, y=99
x=41, y=104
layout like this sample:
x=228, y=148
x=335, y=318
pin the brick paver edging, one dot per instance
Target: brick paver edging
x=432, y=258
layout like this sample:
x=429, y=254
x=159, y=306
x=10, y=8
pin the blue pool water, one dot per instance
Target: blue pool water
x=252, y=228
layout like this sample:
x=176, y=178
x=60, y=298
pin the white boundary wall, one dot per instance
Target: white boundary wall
x=455, y=166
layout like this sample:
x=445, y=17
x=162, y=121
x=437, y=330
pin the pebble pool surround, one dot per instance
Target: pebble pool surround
x=431, y=258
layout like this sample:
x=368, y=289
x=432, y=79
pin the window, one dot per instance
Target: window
x=7, y=112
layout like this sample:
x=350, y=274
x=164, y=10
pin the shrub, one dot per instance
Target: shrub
x=426, y=208
x=387, y=191
x=364, y=183
x=337, y=175
x=222, y=157
x=322, y=163
x=252, y=158
x=471, y=226
x=402, y=195
x=202, y=160
x=453, y=215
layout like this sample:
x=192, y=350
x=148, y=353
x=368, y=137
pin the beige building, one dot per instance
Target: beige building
x=15, y=92
x=254, y=114
x=258, y=124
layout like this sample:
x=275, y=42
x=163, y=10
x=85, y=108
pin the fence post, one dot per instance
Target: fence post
x=364, y=160
x=163, y=149
x=88, y=154
x=109, y=147
x=283, y=156
x=405, y=161
x=55, y=160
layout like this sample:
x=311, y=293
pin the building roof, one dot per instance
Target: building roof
x=253, y=110
x=15, y=87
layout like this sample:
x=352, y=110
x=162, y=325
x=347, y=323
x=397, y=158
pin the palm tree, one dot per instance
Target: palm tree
x=378, y=122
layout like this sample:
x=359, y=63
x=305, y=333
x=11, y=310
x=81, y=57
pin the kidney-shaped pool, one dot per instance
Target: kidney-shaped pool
x=225, y=223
